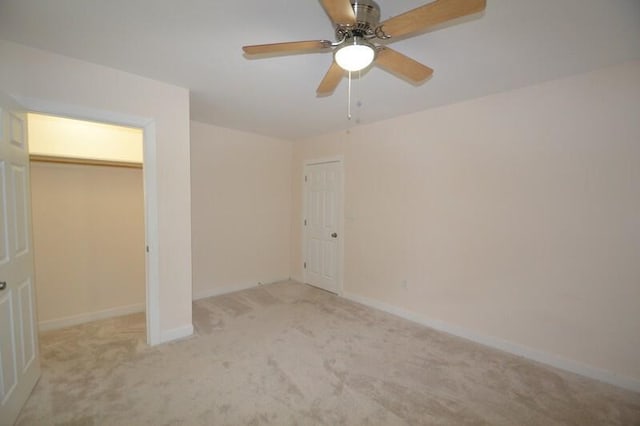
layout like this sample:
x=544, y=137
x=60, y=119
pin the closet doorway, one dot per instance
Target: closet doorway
x=87, y=191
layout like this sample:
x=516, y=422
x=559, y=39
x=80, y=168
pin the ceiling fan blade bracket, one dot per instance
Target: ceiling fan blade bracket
x=380, y=34
x=340, y=41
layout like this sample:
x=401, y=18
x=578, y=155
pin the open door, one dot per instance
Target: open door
x=19, y=358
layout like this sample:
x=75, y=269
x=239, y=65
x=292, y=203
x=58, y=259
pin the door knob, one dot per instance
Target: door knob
x=3, y=285
x=334, y=235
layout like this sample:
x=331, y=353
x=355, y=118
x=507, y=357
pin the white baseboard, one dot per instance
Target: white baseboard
x=504, y=345
x=176, y=333
x=231, y=289
x=223, y=290
x=57, y=323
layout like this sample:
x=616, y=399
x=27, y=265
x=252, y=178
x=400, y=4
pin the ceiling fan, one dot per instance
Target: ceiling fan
x=357, y=26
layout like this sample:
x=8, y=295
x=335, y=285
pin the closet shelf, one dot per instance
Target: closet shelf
x=83, y=161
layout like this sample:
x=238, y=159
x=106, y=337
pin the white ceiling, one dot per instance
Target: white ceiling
x=197, y=44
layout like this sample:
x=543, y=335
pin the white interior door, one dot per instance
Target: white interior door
x=323, y=195
x=19, y=363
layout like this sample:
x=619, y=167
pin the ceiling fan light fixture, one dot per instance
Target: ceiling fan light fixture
x=355, y=54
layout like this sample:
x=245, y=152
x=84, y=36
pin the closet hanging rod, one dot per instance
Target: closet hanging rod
x=83, y=161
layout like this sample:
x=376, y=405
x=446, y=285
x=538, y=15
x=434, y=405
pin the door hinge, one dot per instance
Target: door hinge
x=305, y=265
x=305, y=178
x=147, y=249
x=305, y=222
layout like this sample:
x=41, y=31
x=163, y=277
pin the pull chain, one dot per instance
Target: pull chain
x=349, y=98
x=358, y=96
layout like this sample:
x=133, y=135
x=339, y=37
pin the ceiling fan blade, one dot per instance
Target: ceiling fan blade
x=431, y=14
x=340, y=11
x=290, y=47
x=331, y=80
x=405, y=67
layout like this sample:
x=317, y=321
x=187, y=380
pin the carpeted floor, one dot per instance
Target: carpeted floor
x=286, y=354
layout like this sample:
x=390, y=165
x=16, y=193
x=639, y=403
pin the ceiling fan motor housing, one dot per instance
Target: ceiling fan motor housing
x=367, y=12
x=367, y=19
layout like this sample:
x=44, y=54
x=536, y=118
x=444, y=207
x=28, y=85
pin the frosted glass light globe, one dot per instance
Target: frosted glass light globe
x=355, y=56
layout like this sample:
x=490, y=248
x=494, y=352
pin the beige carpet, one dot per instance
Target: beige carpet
x=287, y=354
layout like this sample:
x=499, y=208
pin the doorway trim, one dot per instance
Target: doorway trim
x=340, y=208
x=149, y=171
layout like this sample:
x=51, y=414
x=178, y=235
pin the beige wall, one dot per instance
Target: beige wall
x=241, y=195
x=50, y=83
x=515, y=216
x=88, y=224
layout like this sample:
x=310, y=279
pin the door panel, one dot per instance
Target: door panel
x=27, y=327
x=8, y=359
x=328, y=259
x=19, y=363
x=17, y=131
x=4, y=228
x=323, y=186
x=20, y=211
